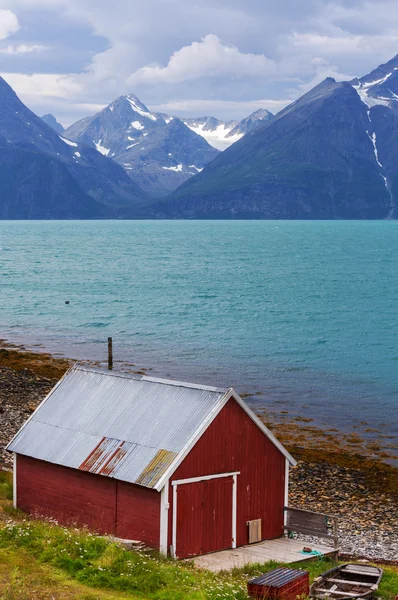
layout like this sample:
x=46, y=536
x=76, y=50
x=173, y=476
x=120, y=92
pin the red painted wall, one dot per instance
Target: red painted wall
x=75, y=497
x=234, y=443
x=138, y=513
x=67, y=495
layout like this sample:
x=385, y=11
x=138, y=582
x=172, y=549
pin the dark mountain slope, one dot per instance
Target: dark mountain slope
x=30, y=178
x=52, y=122
x=251, y=122
x=314, y=160
x=43, y=173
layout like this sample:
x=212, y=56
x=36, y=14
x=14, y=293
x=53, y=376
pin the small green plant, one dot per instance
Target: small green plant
x=5, y=485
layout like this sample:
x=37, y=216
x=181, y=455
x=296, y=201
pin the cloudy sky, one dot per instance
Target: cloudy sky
x=188, y=57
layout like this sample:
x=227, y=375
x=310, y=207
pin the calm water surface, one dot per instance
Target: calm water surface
x=302, y=312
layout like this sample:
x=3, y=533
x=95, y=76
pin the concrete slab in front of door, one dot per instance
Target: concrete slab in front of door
x=282, y=550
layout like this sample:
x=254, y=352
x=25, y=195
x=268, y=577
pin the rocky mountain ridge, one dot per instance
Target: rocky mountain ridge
x=331, y=154
x=158, y=152
x=52, y=122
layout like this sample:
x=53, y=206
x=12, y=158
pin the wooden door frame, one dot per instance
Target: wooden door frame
x=176, y=483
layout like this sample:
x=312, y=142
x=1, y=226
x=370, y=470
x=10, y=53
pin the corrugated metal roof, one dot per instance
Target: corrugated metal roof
x=128, y=428
x=278, y=577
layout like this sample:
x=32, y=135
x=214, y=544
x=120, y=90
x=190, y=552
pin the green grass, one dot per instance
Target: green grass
x=98, y=563
x=5, y=485
x=42, y=560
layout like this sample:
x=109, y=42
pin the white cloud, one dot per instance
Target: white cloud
x=8, y=24
x=322, y=69
x=207, y=58
x=23, y=49
x=223, y=109
x=343, y=44
x=42, y=85
x=161, y=50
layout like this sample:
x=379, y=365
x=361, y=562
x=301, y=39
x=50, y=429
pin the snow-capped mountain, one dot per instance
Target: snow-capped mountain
x=158, y=151
x=379, y=93
x=380, y=87
x=45, y=175
x=52, y=122
x=331, y=154
x=214, y=131
x=222, y=134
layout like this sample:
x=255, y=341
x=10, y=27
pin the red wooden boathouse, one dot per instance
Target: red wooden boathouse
x=187, y=469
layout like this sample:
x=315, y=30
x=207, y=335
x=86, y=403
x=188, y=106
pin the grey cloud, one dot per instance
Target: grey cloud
x=103, y=49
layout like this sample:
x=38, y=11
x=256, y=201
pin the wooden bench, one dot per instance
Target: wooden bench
x=311, y=523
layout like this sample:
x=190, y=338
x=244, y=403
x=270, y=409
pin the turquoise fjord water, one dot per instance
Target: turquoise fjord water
x=301, y=312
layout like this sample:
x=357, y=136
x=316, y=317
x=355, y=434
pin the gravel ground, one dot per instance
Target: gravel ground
x=20, y=393
x=367, y=521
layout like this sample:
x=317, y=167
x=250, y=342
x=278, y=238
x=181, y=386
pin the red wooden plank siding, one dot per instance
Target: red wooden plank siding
x=138, y=514
x=76, y=497
x=189, y=520
x=217, y=504
x=67, y=495
x=234, y=443
x=204, y=517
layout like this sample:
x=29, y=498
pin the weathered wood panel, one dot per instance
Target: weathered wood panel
x=254, y=531
x=311, y=523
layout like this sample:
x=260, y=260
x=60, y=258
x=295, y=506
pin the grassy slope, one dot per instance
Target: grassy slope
x=44, y=561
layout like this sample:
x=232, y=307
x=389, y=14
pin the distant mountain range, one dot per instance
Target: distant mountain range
x=222, y=134
x=332, y=154
x=159, y=152
x=43, y=175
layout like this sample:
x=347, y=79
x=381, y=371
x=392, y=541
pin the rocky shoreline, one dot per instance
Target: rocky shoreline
x=367, y=508
x=367, y=519
x=20, y=393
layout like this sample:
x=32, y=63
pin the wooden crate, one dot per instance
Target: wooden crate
x=280, y=584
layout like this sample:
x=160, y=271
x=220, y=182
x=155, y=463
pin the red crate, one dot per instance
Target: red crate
x=280, y=584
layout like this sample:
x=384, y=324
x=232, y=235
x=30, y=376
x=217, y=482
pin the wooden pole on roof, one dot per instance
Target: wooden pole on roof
x=110, y=354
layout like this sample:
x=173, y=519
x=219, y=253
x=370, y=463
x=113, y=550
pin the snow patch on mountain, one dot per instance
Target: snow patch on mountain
x=137, y=125
x=101, y=148
x=216, y=137
x=363, y=91
x=373, y=140
x=134, y=105
x=68, y=142
x=175, y=168
x=222, y=134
